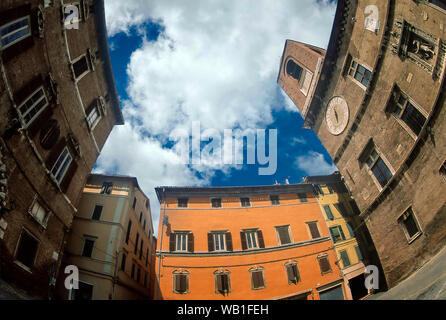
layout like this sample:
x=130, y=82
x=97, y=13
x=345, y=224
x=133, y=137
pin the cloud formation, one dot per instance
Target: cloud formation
x=314, y=164
x=215, y=62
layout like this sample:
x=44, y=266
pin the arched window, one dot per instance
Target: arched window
x=293, y=70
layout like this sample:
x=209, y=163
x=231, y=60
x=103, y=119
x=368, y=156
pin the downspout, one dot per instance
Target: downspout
x=161, y=243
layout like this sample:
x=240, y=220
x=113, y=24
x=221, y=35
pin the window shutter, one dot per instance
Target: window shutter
x=68, y=176
x=210, y=242
x=183, y=283
x=324, y=264
x=342, y=232
x=219, y=283
x=190, y=242
x=228, y=241
x=172, y=242
x=257, y=279
x=55, y=153
x=328, y=212
x=260, y=239
x=314, y=230
x=243, y=239
x=290, y=273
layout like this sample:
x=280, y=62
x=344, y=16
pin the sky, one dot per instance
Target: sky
x=212, y=63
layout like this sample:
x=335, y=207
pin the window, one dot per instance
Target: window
x=181, y=242
x=318, y=189
x=123, y=260
x=410, y=223
x=134, y=203
x=324, y=264
x=180, y=282
x=274, y=200
x=93, y=117
x=84, y=293
x=216, y=203
x=15, y=31
x=132, y=275
x=439, y=3
x=127, y=236
x=292, y=272
x=337, y=234
x=245, y=202
x=140, y=217
x=360, y=73
x=97, y=212
x=328, y=212
x=404, y=109
x=107, y=188
x=345, y=259
x=80, y=67
x=140, y=249
x=358, y=253
x=302, y=197
x=147, y=256
x=136, y=243
x=182, y=202
x=222, y=284
x=376, y=164
x=144, y=224
x=257, y=278
x=314, y=230
x=219, y=242
x=283, y=233
x=87, y=251
x=33, y=106
x=350, y=230
x=61, y=166
x=442, y=169
x=251, y=239
x=39, y=213
x=294, y=70
x=27, y=249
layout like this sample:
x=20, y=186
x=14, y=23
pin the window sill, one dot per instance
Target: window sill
x=21, y=265
x=415, y=237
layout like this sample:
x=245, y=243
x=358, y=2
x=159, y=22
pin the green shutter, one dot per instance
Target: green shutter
x=328, y=212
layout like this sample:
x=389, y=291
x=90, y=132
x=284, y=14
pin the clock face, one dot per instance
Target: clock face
x=337, y=115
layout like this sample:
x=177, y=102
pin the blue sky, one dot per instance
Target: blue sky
x=215, y=62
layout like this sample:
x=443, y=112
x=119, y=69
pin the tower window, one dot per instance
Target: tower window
x=294, y=70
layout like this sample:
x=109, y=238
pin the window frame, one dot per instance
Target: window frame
x=219, y=273
x=44, y=221
x=331, y=216
x=309, y=229
x=85, y=239
x=217, y=237
x=343, y=254
x=402, y=218
x=350, y=68
x=297, y=277
x=43, y=97
x=10, y=44
x=244, y=203
x=260, y=270
x=366, y=158
x=180, y=273
x=182, y=235
x=182, y=202
x=290, y=237
x=216, y=203
x=319, y=258
x=61, y=165
x=94, y=210
x=16, y=251
x=275, y=200
x=254, y=241
x=340, y=232
x=90, y=68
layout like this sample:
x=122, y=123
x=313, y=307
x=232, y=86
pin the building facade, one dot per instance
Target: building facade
x=351, y=240
x=111, y=242
x=235, y=243
x=58, y=105
x=378, y=108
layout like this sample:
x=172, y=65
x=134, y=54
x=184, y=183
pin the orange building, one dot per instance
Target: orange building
x=264, y=242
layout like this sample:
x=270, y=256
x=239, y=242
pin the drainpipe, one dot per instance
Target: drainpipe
x=161, y=242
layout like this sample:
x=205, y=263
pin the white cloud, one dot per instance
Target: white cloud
x=314, y=164
x=215, y=62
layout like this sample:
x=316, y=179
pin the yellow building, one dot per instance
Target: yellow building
x=338, y=208
x=111, y=241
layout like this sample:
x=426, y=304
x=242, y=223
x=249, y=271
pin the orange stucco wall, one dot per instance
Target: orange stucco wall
x=200, y=218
